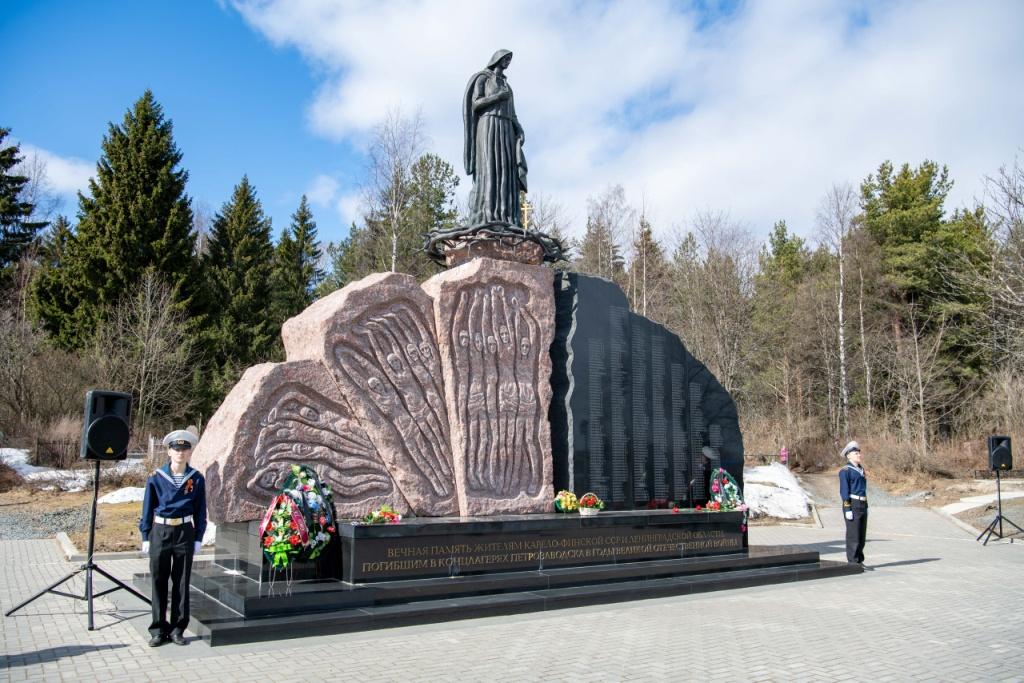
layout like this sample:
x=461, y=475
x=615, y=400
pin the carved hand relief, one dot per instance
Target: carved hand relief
x=494, y=323
x=306, y=428
x=494, y=344
x=285, y=414
x=388, y=366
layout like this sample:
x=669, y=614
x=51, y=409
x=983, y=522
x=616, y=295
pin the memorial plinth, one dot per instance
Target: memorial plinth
x=453, y=547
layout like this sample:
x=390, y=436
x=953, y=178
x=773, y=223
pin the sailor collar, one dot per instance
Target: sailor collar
x=165, y=471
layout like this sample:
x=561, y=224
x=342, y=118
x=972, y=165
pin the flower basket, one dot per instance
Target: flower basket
x=590, y=504
x=566, y=501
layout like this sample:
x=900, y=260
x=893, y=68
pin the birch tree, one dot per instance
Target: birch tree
x=835, y=220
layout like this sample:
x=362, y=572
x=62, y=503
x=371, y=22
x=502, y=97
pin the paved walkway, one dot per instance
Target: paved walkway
x=937, y=606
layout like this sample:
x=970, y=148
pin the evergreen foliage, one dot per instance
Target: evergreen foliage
x=17, y=231
x=297, y=271
x=428, y=203
x=239, y=265
x=648, y=274
x=921, y=253
x=136, y=218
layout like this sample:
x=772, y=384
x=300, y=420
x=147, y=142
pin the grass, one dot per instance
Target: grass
x=117, y=529
x=117, y=526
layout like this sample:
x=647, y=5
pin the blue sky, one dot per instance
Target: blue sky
x=751, y=109
x=238, y=104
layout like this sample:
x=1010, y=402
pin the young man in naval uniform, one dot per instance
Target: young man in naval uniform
x=172, y=525
x=853, y=490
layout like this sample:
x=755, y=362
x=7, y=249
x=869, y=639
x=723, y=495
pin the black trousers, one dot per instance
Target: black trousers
x=170, y=557
x=856, y=531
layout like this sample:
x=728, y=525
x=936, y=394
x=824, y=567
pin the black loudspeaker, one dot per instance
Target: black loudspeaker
x=1000, y=457
x=105, y=427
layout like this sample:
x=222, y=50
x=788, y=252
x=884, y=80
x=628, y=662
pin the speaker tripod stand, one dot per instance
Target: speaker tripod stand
x=89, y=567
x=999, y=519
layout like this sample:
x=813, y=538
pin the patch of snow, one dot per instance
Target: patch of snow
x=773, y=491
x=129, y=494
x=17, y=460
x=48, y=478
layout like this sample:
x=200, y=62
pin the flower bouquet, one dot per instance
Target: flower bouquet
x=300, y=520
x=726, y=496
x=590, y=504
x=566, y=501
x=385, y=514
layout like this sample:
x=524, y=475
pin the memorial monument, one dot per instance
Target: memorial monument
x=463, y=404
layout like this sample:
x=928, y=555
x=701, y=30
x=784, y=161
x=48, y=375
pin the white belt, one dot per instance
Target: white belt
x=864, y=498
x=173, y=521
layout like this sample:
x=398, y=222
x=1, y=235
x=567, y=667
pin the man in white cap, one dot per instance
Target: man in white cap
x=172, y=525
x=853, y=490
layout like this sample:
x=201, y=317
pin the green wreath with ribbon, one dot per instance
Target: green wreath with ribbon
x=300, y=521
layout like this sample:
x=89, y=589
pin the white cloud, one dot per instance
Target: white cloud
x=755, y=113
x=349, y=209
x=322, y=190
x=65, y=175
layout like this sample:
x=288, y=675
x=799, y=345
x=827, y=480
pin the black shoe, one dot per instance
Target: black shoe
x=178, y=639
x=157, y=640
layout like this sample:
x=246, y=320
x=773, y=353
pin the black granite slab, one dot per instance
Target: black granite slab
x=238, y=548
x=632, y=411
x=425, y=547
x=420, y=601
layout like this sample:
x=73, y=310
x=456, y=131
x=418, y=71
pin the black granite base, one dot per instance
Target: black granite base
x=238, y=549
x=614, y=557
x=424, y=547
x=230, y=608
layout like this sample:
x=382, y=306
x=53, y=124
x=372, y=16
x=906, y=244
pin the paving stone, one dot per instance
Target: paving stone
x=928, y=611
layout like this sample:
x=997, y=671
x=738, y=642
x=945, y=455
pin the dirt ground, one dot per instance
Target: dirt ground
x=116, y=525
x=980, y=517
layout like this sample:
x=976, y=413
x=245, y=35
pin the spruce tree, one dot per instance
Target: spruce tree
x=296, y=265
x=348, y=261
x=53, y=303
x=648, y=275
x=137, y=217
x=239, y=266
x=16, y=230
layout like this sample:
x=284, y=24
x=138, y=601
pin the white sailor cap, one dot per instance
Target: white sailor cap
x=180, y=438
x=852, y=447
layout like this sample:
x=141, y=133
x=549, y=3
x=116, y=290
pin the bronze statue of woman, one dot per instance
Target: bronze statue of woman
x=494, y=147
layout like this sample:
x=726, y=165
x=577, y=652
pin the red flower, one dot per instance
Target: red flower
x=293, y=525
x=323, y=520
x=268, y=540
x=675, y=509
x=699, y=508
x=330, y=529
x=294, y=539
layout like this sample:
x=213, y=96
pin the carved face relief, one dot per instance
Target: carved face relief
x=395, y=362
x=503, y=333
x=464, y=338
x=376, y=386
x=425, y=351
x=492, y=344
x=478, y=341
x=524, y=346
x=412, y=352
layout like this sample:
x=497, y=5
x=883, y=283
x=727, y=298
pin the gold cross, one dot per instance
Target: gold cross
x=527, y=208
